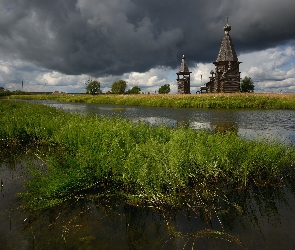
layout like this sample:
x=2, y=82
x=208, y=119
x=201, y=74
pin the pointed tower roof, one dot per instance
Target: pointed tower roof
x=227, y=51
x=183, y=66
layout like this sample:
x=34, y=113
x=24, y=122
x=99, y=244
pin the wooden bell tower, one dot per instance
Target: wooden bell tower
x=183, y=78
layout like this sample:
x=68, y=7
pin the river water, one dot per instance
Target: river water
x=91, y=224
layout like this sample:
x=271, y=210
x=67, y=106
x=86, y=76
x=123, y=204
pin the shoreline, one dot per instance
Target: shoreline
x=217, y=101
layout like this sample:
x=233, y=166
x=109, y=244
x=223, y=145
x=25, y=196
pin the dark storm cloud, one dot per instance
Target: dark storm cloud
x=117, y=36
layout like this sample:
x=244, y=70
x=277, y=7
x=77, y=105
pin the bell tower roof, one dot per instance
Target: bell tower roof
x=227, y=51
x=183, y=66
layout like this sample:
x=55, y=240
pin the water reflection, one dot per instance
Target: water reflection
x=200, y=125
x=12, y=175
x=157, y=121
x=111, y=225
x=258, y=218
x=225, y=127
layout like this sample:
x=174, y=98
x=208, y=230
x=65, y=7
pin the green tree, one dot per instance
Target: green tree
x=165, y=89
x=247, y=85
x=93, y=87
x=119, y=87
x=18, y=92
x=4, y=92
x=134, y=90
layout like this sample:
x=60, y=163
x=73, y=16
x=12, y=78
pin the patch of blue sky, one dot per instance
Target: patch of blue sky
x=8, y=9
x=289, y=64
x=287, y=44
x=172, y=75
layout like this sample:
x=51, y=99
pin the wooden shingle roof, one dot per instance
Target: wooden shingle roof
x=183, y=66
x=227, y=51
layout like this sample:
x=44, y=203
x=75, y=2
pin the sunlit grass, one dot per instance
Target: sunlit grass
x=236, y=100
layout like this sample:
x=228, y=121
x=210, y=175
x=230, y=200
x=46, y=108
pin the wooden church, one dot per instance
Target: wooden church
x=226, y=78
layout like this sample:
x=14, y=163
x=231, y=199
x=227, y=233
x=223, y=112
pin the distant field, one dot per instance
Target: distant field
x=239, y=100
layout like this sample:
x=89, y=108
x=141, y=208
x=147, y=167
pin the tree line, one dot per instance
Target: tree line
x=6, y=92
x=119, y=87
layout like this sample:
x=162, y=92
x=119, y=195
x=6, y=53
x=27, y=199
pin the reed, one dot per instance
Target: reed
x=237, y=100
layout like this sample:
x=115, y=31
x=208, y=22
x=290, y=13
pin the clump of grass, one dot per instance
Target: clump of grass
x=235, y=100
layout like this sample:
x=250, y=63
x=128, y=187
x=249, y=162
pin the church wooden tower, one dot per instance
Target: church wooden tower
x=226, y=78
x=183, y=78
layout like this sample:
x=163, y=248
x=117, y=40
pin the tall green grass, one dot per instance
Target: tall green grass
x=238, y=100
x=156, y=166
x=148, y=160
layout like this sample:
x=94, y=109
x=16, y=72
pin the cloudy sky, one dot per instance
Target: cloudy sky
x=57, y=45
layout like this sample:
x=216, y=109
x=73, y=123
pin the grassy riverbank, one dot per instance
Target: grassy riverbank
x=239, y=100
x=156, y=166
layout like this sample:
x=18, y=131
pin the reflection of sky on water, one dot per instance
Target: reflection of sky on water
x=157, y=121
x=275, y=135
x=71, y=107
x=281, y=136
x=200, y=125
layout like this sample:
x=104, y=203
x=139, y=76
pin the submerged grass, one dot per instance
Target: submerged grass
x=236, y=100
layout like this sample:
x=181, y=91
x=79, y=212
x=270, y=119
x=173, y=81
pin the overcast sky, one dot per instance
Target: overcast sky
x=57, y=45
